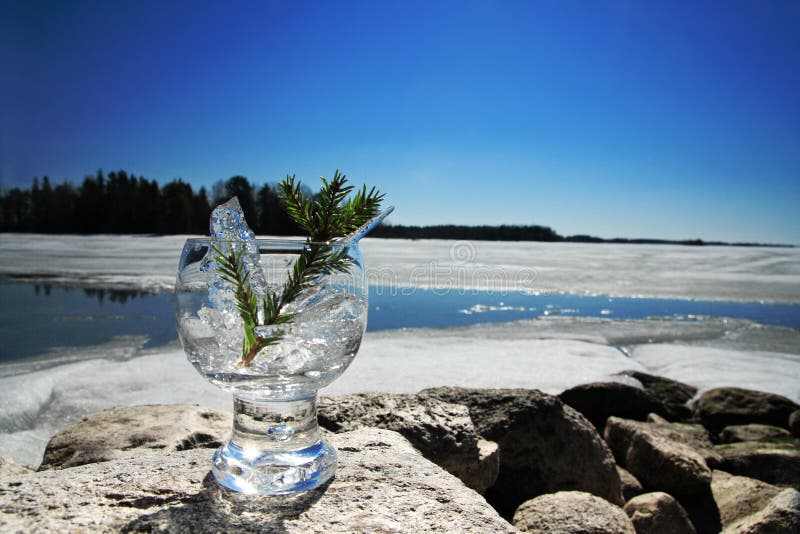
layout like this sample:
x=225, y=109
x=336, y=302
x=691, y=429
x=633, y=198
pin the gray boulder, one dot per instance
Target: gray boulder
x=600, y=400
x=668, y=457
x=673, y=395
x=545, y=446
x=630, y=486
x=442, y=431
x=738, y=497
x=137, y=431
x=781, y=515
x=721, y=407
x=9, y=468
x=571, y=512
x=382, y=484
x=752, y=432
x=658, y=513
x=693, y=435
x=776, y=461
x=639, y=447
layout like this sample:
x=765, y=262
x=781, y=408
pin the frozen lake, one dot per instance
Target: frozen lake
x=665, y=271
x=593, y=328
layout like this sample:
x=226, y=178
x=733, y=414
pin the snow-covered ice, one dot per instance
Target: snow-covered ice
x=673, y=271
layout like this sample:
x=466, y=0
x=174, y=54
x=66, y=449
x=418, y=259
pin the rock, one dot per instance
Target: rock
x=782, y=514
x=483, y=475
x=630, y=486
x=721, y=407
x=738, y=497
x=9, y=468
x=693, y=435
x=776, y=461
x=655, y=418
x=752, y=432
x=571, y=511
x=544, y=445
x=382, y=485
x=668, y=457
x=442, y=431
x=639, y=447
x=672, y=395
x=600, y=400
x=136, y=431
x=794, y=423
x=658, y=513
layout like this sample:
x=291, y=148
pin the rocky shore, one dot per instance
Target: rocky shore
x=598, y=458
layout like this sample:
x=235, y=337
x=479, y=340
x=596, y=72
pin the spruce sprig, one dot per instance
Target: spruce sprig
x=329, y=217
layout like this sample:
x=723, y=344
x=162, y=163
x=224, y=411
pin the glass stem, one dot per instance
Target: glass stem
x=275, y=425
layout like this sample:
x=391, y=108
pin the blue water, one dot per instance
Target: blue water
x=37, y=318
x=419, y=308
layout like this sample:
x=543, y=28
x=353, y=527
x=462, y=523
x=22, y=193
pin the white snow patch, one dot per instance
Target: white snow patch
x=406, y=361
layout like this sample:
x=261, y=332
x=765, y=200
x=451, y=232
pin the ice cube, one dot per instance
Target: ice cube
x=229, y=230
x=227, y=223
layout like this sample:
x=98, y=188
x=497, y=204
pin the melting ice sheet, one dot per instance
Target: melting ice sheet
x=550, y=354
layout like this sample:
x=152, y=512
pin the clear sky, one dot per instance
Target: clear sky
x=619, y=119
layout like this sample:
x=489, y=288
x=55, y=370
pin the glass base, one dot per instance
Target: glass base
x=275, y=449
x=274, y=472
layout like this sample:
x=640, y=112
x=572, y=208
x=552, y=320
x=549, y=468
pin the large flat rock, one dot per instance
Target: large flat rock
x=382, y=485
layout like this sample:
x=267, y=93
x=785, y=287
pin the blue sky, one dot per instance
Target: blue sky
x=632, y=119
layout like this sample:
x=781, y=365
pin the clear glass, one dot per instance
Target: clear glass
x=275, y=446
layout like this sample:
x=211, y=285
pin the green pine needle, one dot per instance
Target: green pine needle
x=332, y=215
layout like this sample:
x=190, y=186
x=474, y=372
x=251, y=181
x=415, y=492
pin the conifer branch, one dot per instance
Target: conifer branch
x=331, y=216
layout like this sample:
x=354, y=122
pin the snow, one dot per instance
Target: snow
x=674, y=271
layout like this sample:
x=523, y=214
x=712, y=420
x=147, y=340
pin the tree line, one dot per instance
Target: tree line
x=483, y=233
x=122, y=203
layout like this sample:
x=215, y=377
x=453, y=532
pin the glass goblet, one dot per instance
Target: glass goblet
x=275, y=446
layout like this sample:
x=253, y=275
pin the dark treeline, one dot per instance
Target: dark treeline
x=483, y=233
x=121, y=203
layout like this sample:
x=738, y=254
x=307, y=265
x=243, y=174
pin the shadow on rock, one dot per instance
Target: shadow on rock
x=217, y=509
